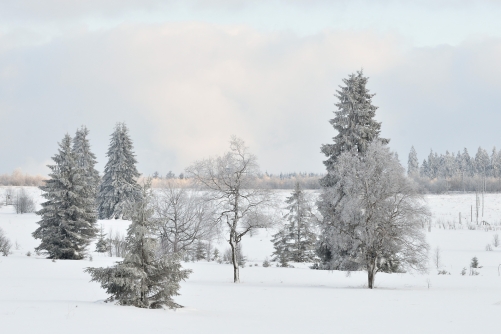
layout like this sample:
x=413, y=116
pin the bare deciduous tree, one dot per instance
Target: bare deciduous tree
x=183, y=216
x=23, y=202
x=229, y=181
x=495, y=240
x=373, y=215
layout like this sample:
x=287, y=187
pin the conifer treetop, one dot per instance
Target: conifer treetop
x=354, y=119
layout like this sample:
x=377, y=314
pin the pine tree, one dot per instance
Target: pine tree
x=354, y=122
x=119, y=189
x=142, y=279
x=68, y=217
x=413, y=163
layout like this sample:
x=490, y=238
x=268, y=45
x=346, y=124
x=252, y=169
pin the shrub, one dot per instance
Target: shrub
x=5, y=244
x=463, y=272
x=488, y=247
x=443, y=272
x=474, y=262
x=266, y=263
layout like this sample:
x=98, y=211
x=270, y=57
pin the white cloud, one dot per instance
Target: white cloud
x=184, y=88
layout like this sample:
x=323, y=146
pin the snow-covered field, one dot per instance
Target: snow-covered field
x=41, y=296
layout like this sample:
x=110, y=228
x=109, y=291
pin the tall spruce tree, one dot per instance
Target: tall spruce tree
x=296, y=241
x=119, y=188
x=68, y=217
x=413, y=163
x=356, y=129
x=145, y=278
x=86, y=160
x=354, y=122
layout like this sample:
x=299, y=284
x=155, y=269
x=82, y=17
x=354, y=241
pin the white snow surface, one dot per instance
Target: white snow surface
x=41, y=296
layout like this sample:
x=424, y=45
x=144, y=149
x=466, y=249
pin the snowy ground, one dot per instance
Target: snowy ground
x=41, y=296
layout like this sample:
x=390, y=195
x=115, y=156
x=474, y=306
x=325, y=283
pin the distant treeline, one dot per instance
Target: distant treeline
x=18, y=178
x=457, y=172
x=267, y=181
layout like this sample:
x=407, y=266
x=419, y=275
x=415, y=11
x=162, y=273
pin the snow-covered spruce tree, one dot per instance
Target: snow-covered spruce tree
x=376, y=215
x=119, y=189
x=356, y=129
x=413, y=163
x=102, y=245
x=282, y=245
x=68, y=217
x=353, y=121
x=482, y=162
x=145, y=278
x=86, y=160
x=296, y=241
x=200, y=251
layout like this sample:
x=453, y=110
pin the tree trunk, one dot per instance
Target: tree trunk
x=236, y=276
x=371, y=273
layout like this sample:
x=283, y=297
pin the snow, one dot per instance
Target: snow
x=38, y=295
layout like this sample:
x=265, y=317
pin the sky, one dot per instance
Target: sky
x=186, y=75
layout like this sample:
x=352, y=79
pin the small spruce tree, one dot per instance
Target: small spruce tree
x=144, y=278
x=474, y=262
x=215, y=255
x=102, y=244
x=296, y=241
x=281, y=244
x=200, y=253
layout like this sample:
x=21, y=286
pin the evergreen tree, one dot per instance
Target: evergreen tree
x=143, y=279
x=354, y=122
x=413, y=163
x=215, y=255
x=119, y=189
x=200, y=253
x=482, y=162
x=448, y=165
x=102, y=245
x=281, y=244
x=86, y=160
x=467, y=164
x=495, y=163
x=425, y=169
x=299, y=230
x=68, y=217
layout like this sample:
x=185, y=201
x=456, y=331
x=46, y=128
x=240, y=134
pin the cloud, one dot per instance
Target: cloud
x=184, y=88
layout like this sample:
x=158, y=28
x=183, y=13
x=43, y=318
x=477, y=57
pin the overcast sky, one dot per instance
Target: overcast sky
x=186, y=75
